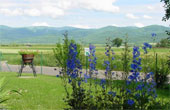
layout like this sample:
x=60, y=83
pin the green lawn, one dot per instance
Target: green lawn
x=42, y=93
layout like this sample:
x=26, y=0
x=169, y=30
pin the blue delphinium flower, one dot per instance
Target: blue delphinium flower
x=131, y=77
x=128, y=91
x=73, y=63
x=102, y=83
x=92, y=59
x=79, y=83
x=153, y=34
x=69, y=80
x=128, y=82
x=107, y=63
x=107, y=66
x=139, y=87
x=112, y=93
x=137, y=95
x=136, y=65
x=130, y=102
x=151, y=85
x=146, y=45
x=151, y=73
x=136, y=52
x=86, y=77
x=147, y=76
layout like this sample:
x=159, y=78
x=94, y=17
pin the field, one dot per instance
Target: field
x=46, y=56
x=41, y=93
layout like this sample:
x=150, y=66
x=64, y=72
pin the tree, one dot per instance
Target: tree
x=167, y=11
x=117, y=42
x=164, y=43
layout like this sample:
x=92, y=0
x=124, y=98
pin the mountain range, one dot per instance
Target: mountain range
x=51, y=35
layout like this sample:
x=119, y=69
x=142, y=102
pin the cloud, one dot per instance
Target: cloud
x=52, y=11
x=139, y=25
x=32, y=12
x=40, y=24
x=81, y=26
x=155, y=8
x=147, y=17
x=114, y=25
x=9, y=12
x=131, y=16
x=99, y=5
x=150, y=7
x=55, y=8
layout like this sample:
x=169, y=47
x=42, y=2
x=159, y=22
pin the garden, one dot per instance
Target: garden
x=133, y=78
x=89, y=76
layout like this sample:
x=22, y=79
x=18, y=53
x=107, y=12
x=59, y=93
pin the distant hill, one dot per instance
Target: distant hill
x=97, y=36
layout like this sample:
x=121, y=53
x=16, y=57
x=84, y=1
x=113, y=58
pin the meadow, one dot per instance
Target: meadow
x=43, y=92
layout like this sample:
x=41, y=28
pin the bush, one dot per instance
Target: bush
x=162, y=74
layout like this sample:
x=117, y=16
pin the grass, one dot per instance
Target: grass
x=40, y=93
x=43, y=92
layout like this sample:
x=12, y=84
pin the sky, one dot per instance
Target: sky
x=81, y=13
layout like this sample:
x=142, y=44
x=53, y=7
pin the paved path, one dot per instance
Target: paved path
x=53, y=70
x=45, y=70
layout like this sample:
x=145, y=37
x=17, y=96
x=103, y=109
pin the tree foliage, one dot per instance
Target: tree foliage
x=167, y=12
x=167, y=9
x=117, y=42
x=164, y=43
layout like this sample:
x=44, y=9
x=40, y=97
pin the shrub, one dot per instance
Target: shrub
x=162, y=73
